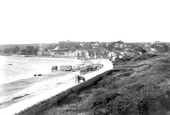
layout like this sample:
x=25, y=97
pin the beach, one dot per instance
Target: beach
x=45, y=89
x=18, y=81
x=14, y=68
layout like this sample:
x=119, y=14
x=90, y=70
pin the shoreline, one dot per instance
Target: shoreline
x=28, y=56
x=18, y=89
x=3, y=60
x=12, y=91
x=68, y=82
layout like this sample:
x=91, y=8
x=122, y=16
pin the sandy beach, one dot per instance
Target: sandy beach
x=42, y=88
x=17, y=80
x=18, y=90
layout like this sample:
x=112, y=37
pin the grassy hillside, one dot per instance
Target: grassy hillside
x=139, y=87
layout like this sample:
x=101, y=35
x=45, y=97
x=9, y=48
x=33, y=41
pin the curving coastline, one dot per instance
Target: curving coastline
x=27, y=85
x=55, y=89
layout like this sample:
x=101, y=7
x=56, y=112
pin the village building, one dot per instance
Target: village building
x=64, y=53
x=82, y=53
x=41, y=48
x=43, y=53
x=40, y=53
x=130, y=54
x=152, y=50
x=112, y=54
x=94, y=45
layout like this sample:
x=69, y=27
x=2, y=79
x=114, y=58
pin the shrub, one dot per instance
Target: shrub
x=110, y=81
x=144, y=57
x=165, y=60
x=72, y=98
x=134, y=98
x=161, y=68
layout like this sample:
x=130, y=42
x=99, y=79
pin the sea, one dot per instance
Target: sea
x=13, y=68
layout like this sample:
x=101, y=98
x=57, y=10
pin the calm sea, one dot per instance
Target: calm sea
x=26, y=67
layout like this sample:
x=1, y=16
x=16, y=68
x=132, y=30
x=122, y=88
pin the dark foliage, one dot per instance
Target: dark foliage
x=140, y=87
x=72, y=98
x=144, y=57
x=12, y=50
x=161, y=47
x=30, y=50
x=128, y=93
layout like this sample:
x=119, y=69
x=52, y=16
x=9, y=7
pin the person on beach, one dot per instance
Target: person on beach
x=78, y=78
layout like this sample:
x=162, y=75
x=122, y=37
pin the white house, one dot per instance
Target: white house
x=152, y=50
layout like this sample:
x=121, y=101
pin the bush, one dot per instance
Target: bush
x=72, y=98
x=144, y=57
x=135, y=88
x=165, y=60
x=142, y=90
x=133, y=99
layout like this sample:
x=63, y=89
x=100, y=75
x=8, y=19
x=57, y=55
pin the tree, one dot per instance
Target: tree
x=161, y=47
x=50, y=46
x=63, y=44
x=110, y=47
x=15, y=49
x=87, y=46
x=35, y=50
x=23, y=51
x=29, y=50
x=6, y=50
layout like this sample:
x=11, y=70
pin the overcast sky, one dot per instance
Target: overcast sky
x=49, y=21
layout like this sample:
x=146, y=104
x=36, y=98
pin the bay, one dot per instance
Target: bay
x=15, y=68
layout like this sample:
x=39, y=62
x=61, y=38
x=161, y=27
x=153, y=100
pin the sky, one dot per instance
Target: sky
x=51, y=21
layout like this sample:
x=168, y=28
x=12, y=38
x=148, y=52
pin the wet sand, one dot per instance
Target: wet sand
x=18, y=90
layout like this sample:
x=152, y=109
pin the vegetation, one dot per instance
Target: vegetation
x=139, y=87
x=95, y=49
x=161, y=47
x=30, y=50
x=12, y=50
x=23, y=49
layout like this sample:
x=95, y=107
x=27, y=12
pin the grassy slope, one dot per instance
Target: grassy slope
x=139, y=87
